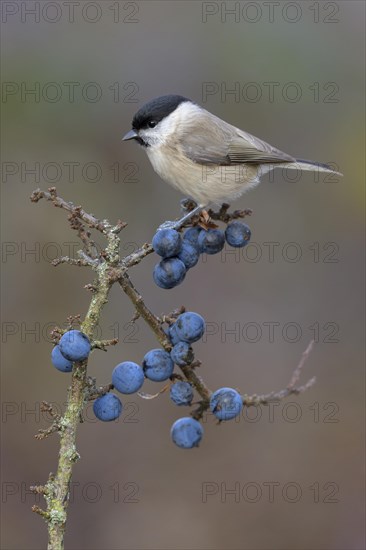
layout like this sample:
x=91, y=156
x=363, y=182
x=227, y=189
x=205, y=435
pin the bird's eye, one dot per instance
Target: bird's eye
x=152, y=124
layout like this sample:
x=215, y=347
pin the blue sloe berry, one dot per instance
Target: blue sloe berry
x=186, y=432
x=107, y=408
x=158, y=365
x=237, y=234
x=172, y=333
x=226, y=403
x=191, y=235
x=169, y=273
x=189, y=254
x=190, y=327
x=211, y=241
x=182, y=354
x=75, y=345
x=167, y=243
x=128, y=377
x=59, y=361
x=181, y=393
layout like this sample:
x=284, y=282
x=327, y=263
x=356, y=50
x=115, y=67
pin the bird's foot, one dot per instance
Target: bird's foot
x=169, y=225
x=187, y=205
x=177, y=224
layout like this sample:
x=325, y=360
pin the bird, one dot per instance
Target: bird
x=201, y=155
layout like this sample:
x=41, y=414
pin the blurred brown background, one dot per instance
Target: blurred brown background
x=296, y=469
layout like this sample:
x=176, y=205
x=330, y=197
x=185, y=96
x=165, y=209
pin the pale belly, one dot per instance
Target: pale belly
x=204, y=183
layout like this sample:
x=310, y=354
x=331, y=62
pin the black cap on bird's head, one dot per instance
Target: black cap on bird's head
x=156, y=109
x=153, y=112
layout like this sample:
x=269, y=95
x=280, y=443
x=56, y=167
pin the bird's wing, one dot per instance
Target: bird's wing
x=216, y=142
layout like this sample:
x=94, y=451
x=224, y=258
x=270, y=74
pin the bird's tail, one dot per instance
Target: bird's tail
x=299, y=164
x=309, y=165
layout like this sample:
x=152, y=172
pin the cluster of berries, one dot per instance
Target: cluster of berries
x=157, y=365
x=180, y=253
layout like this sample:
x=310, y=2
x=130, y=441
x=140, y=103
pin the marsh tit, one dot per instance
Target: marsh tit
x=203, y=156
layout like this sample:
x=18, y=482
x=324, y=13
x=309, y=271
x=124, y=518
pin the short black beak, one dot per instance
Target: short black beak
x=132, y=134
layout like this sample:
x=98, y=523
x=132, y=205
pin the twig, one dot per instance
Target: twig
x=137, y=256
x=297, y=372
x=103, y=344
x=77, y=211
x=43, y=434
x=291, y=389
x=41, y=512
x=224, y=216
x=83, y=234
x=70, y=261
x=56, y=423
x=38, y=489
x=155, y=325
x=142, y=309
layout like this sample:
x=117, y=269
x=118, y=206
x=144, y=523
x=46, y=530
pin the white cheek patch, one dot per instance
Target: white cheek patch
x=152, y=136
x=166, y=129
x=146, y=136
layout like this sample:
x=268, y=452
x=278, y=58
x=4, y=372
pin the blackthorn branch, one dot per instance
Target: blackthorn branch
x=178, y=329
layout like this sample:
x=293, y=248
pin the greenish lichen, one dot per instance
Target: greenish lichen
x=57, y=516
